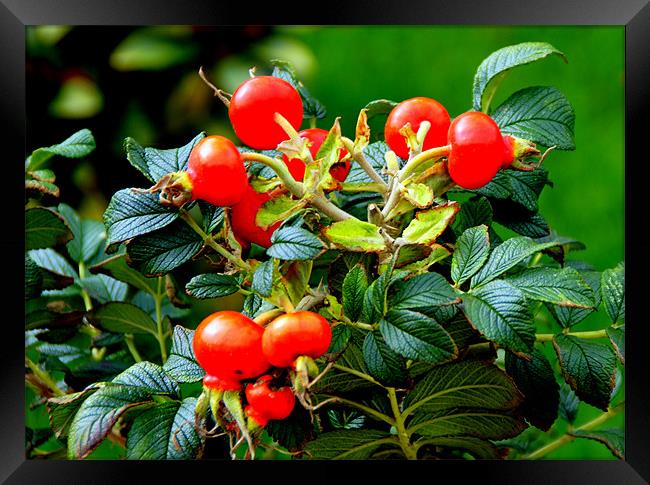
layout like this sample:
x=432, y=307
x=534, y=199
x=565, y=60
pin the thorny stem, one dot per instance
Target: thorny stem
x=567, y=438
x=404, y=438
x=297, y=188
x=159, y=320
x=207, y=239
x=44, y=377
x=360, y=158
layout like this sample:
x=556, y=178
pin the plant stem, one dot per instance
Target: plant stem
x=404, y=438
x=161, y=337
x=362, y=326
x=357, y=373
x=567, y=438
x=393, y=198
x=420, y=158
x=130, y=343
x=207, y=239
x=44, y=376
x=84, y=294
x=548, y=337
x=360, y=158
x=297, y=188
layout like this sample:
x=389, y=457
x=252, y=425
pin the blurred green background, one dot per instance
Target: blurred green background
x=142, y=82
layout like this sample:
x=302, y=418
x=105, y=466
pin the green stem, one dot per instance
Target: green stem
x=84, y=294
x=130, y=343
x=44, y=377
x=360, y=158
x=548, y=337
x=208, y=240
x=393, y=198
x=296, y=188
x=420, y=158
x=568, y=438
x=357, y=373
x=159, y=320
x=362, y=326
x=402, y=434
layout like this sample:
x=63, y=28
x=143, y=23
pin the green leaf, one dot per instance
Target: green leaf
x=355, y=285
x=536, y=380
x=523, y=188
x=507, y=255
x=341, y=335
x=617, y=337
x=62, y=409
x=292, y=432
x=499, y=311
x=212, y=217
x=472, y=249
x=263, y=278
x=614, y=439
x=254, y=305
x=181, y=364
x=564, y=287
x=120, y=317
x=477, y=447
x=340, y=382
x=130, y=214
x=379, y=107
x=53, y=262
x=88, y=235
x=295, y=279
x=117, y=268
x=163, y=250
x=473, y=213
x=476, y=422
x=522, y=221
x=97, y=415
x=33, y=279
x=45, y=228
x=165, y=432
x=277, y=209
x=569, y=403
x=429, y=224
x=104, y=288
x=382, y=362
x=463, y=384
x=422, y=292
x=355, y=235
x=312, y=108
x=149, y=376
x=211, y=285
x=419, y=195
x=570, y=316
x=416, y=336
x=539, y=114
x=348, y=444
x=294, y=244
x=77, y=145
x=45, y=192
x=588, y=367
x=374, y=300
x=613, y=291
x=495, y=67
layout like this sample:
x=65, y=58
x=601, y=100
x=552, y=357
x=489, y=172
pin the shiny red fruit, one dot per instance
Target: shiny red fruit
x=316, y=136
x=294, y=334
x=266, y=403
x=217, y=172
x=415, y=111
x=228, y=346
x=252, y=108
x=477, y=149
x=508, y=151
x=243, y=219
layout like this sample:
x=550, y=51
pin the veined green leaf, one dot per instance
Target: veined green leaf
x=614, y=439
x=348, y=444
x=211, y=285
x=429, y=224
x=294, y=244
x=472, y=249
x=121, y=317
x=181, y=364
x=45, y=228
x=77, y=145
x=423, y=291
x=613, y=291
x=355, y=285
x=564, y=287
x=356, y=235
x=382, y=362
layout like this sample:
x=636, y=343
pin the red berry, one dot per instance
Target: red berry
x=228, y=346
x=316, y=136
x=294, y=334
x=243, y=219
x=508, y=151
x=266, y=403
x=415, y=111
x=252, y=108
x=477, y=149
x=217, y=172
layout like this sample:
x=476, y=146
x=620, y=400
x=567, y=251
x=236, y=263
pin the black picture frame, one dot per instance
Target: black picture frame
x=15, y=15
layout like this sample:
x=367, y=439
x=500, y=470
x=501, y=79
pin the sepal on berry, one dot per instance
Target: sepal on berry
x=175, y=189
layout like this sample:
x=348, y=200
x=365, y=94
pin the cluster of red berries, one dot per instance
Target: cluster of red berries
x=232, y=348
x=216, y=171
